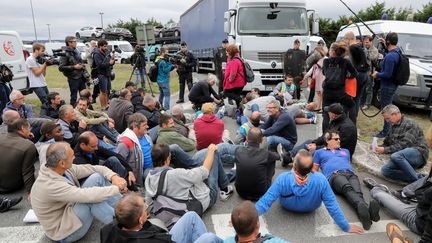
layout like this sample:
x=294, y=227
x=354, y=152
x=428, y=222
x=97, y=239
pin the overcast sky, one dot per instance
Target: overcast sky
x=66, y=16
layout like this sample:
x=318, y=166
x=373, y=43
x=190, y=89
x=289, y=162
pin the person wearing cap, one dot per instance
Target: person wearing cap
x=294, y=64
x=220, y=60
x=132, y=225
x=335, y=164
x=185, y=63
x=18, y=156
x=303, y=191
x=51, y=132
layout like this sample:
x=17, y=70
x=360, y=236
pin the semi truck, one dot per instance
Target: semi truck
x=263, y=31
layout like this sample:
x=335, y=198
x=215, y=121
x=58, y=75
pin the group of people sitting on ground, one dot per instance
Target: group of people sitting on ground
x=90, y=159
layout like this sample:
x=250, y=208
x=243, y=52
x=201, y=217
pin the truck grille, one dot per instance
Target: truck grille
x=270, y=56
x=428, y=81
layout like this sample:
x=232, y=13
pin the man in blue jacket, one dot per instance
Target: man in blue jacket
x=388, y=88
x=303, y=191
x=164, y=69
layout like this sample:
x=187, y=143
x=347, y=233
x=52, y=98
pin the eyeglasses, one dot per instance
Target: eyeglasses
x=73, y=41
x=336, y=139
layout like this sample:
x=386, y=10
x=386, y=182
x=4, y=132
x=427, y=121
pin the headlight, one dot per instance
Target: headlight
x=413, y=80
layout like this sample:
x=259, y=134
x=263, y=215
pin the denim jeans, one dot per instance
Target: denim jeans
x=140, y=73
x=404, y=212
x=386, y=98
x=103, y=130
x=42, y=94
x=114, y=164
x=102, y=211
x=226, y=153
x=295, y=150
x=273, y=141
x=102, y=144
x=402, y=165
x=191, y=228
x=164, y=95
x=75, y=85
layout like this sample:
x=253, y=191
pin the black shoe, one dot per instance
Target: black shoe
x=179, y=101
x=6, y=203
x=398, y=195
x=364, y=216
x=369, y=182
x=374, y=209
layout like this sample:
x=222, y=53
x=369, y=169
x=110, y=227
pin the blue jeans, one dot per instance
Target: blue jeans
x=102, y=144
x=140, y=73
x=103, y=130
x=115, y=165
x=226, y=153
x=295, y=150
x=42, y=94
x=164, y=95
x=75, y=85
x=191, y=228
x=102, y=211
x=273, y=141
x=386, y=98
x=244, y=119
x=402, y=165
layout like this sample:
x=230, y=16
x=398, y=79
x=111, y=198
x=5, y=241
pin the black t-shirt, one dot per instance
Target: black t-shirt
x=255, y=170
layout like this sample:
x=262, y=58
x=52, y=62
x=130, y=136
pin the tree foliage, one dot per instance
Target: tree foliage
x=130, y=24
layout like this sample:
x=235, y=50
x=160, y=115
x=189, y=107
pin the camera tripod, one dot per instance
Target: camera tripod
x=146, y=78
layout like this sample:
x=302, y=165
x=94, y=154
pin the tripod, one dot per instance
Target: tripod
x=146, y=77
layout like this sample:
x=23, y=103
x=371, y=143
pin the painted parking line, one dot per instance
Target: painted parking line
x=26, y=234
x=223, y=228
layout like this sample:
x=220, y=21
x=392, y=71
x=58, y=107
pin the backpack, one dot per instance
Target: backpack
x=248, y=72
x=153, y=72
x=169, y=209
x=333, y=77
x=402, y=73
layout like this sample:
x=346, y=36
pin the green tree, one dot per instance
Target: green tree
x=171, y=21
x=154, y=22
x=424, y=14
x=130, y=24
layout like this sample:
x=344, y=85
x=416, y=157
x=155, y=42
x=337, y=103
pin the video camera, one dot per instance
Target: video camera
x=178, y=59
x=51, y=60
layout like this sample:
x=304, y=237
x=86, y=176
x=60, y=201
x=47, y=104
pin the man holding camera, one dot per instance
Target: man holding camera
x=72, y=66
x=36, y=65
x=139, y=63
x=103, y=62
x=185, y=61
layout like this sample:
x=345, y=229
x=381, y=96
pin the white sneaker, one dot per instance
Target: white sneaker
x=226, y=195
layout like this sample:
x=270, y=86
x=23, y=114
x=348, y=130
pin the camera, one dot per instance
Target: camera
x=48, y=60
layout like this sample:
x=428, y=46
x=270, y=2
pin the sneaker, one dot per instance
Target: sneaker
x=6, y=203
x=179, y=101
x=314, y=120
x=369, y=182
x=398, y=194
x=222, y=110
x=374, y=209
x=225, y=195
x=364, y=216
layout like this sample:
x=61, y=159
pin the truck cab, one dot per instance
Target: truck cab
x=264, y=32
x=415, y=42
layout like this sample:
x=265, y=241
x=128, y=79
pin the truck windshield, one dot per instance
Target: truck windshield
x=416, y=45
x=126, y=47
x=289, y=21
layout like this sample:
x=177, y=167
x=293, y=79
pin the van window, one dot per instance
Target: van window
x=126, y=47
x=415, y=45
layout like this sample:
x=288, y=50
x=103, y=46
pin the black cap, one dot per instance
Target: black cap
x=297, y=41
x=183, y=43
x=335, y=108
x=225, y=41
x=321, y=42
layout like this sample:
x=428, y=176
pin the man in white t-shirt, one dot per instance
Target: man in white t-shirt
x=36, y=72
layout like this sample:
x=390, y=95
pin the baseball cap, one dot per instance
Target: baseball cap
x=297, y=41
x=335, y=108
x=47, y=127
x=225, y=41
x=183, y=43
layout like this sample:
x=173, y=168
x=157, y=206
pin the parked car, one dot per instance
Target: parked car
x=123, y=49
x=117, y=34
x=171, y=30
x=156, y=30
x=89, y=31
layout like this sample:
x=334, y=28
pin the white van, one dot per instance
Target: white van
x=50, y=46
x=12, y=55
x=415, y=41
x=123, y=49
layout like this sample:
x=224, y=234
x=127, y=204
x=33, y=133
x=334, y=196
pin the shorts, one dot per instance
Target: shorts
x=104, y=84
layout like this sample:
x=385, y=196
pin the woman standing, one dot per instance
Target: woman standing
x=234, y=78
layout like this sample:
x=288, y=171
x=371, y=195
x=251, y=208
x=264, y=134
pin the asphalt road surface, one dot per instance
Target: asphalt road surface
x=293, y=227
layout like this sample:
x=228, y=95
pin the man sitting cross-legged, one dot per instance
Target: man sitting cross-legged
x=335, y=164
x=64, y=207
x=301, y=190
x=132, y=226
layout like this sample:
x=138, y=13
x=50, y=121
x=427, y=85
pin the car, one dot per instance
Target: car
x=117, y=34
x=123, y=50
x=156, y=30
x=171, y=30
x=89, y=32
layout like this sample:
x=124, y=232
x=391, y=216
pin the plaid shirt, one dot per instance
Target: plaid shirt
x=406, y=134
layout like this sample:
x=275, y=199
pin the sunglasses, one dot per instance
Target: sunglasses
x=336, y=139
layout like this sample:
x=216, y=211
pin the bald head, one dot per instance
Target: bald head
x=255, y=117
x=10, y=117
x=303, y=162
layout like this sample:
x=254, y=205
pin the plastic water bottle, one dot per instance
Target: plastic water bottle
x=374, y=144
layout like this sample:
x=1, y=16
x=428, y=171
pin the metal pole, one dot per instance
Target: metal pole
x=101, y=13
x=49, y=33
x=34, y=23
x=146, y=43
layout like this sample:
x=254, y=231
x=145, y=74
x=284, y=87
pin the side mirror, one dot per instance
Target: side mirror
x=227, y=23
x=315, y=23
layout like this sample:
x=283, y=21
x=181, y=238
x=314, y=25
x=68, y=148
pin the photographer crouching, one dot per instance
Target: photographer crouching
x=72, y=66
x=185, y=62
x=36, y=69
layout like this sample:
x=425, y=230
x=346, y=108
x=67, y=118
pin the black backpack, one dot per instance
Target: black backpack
x=153, y=72
x=402, y=73
x=248, y=72
x=333, y=77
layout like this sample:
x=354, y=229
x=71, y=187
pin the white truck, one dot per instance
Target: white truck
x=263, y=30
x=415, y=41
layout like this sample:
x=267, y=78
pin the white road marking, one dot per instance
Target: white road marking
x=224, y=229
x=26, y=234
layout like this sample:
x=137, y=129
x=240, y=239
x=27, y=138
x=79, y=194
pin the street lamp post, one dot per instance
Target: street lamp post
x=101, y=13
x=49, y=33
x=34, y=23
